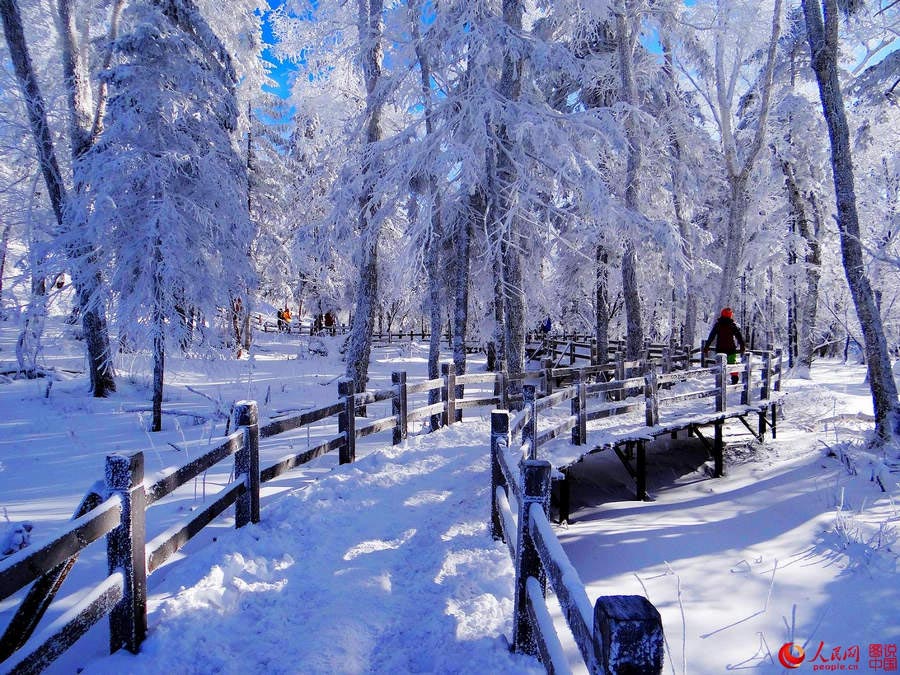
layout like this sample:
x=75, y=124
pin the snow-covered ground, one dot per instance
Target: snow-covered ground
x=387, y=565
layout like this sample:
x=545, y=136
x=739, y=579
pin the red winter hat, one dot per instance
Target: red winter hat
x=727, y=313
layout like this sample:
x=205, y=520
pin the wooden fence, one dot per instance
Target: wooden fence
x=619, y=634
x=117, y=509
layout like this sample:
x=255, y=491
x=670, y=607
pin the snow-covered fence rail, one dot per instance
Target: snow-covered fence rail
x=122, y=516
x=619, y=634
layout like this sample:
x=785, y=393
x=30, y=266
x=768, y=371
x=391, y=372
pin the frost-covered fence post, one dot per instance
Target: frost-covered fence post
x=747, y=393
x=529, y=433
x=595, y=353
x=572, y=351
x=579, y=410
x=702, y=355
x=628, y=635
x=721, y=383
x=620, y=376
x=666, y=360
x=546, y=368
x=246, y=462
x=500, y=390
x=399, y=406
x=347, y=421
x=536, y=490
x=125, y=551
x=766, y=374
x=499, y=442
x=448, y=394
x=650, y=400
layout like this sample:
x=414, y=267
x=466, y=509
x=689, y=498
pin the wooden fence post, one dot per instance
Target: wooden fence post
x=500, y=390
x=536, y=489
x=628, y=635
x=721, y=383
x=620, y=375
x=246, y=462
x=702, y=355
x=650, y=398
x=572, y=352
x=529, y=432
x=547, y=367
x=499, y=442
x=448, y=394
x=747, y=394
x=399, y=406
x=125, y=551
x=347, y=421
x=667, y=360
x=595, y=353
x=579, y=409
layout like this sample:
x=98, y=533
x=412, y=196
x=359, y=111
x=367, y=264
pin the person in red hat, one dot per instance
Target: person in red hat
x=727, y=336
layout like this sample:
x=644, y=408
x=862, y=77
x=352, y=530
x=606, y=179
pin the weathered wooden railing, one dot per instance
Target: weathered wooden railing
x=117, y=509
x=666, y=410
x=619, y=634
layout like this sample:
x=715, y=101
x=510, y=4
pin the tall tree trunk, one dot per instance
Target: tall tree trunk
x=602, y=302
x=806, y=304
x=4, y=247
x=738, y=170
x=823, y=46
x=360, y=347
x=684, y=229
x=462, y=249
x=507, y=218
x=86, y=281
x=634, y=339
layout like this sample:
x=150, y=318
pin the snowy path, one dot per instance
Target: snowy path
x=384, y=566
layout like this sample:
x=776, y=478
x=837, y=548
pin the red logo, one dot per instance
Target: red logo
x=791, y=655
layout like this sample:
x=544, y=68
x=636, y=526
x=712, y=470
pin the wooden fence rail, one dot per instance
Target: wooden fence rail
x=117, y=509
x=619, y=634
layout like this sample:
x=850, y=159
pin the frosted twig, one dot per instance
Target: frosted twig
x=665, y=636
x=683, y=620
x=771, y=586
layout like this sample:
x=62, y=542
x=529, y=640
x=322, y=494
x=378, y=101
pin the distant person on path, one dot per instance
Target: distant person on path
x=330, y=322
x=546, y=326
x=728, y=337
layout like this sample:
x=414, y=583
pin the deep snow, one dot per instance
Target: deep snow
x=388, y=565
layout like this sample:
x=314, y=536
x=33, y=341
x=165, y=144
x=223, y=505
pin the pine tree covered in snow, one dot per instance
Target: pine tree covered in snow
x=169, y=188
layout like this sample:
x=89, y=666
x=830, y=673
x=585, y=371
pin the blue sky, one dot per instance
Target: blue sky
x=281, y=70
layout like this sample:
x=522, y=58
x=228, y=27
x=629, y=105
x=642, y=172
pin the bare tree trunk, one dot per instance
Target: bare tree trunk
x=4, y=247
x=634, y=338
x=462, y=246
x=511, y=248
x=823, y=46
x=806, y=309
x=360, y=347
x=602, y=302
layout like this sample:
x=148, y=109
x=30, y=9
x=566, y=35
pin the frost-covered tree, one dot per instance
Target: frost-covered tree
x=822, y=21
x=83, y=127
x=168, y=185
